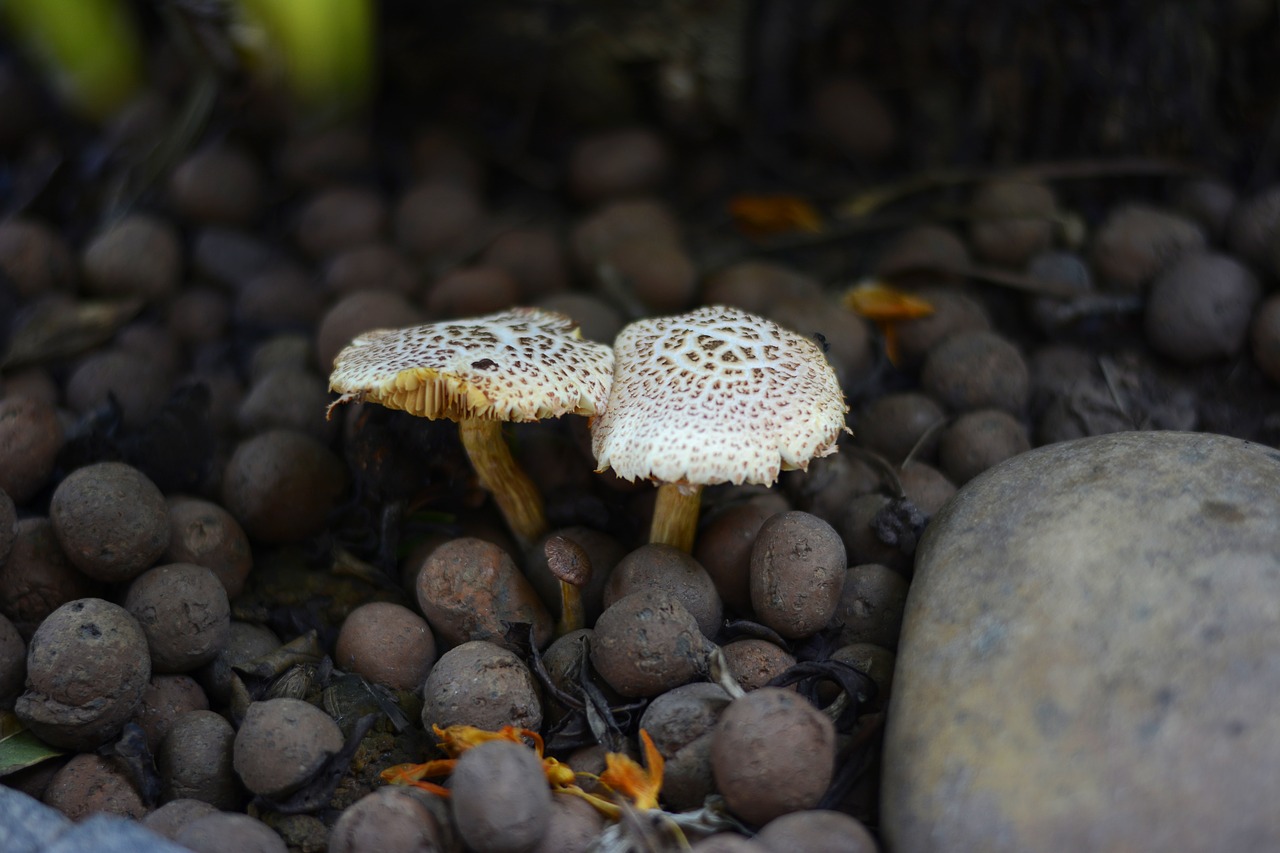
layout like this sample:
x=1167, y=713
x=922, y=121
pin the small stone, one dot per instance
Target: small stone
x=387, y=644
x=111, y=521
x=87, y=670
x=281, y=744
x=30, y=438
x=141, y=255
x=93, y=784
x=1117, y=594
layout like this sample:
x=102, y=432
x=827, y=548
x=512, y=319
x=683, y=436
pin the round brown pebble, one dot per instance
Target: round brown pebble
x=219, y=184
x=35, y=257
x=138, y=384
x=481, y=684
x=387, y=644
x=204, y=533
x=111, y=521
x=723, y=548
x=340, y=218
x=471, y=291
x=871, y=605
x=199, y=315
x=671, y=571
x=535, y=255
x=283, y=297
x=753, y=663
x=172, y=817
x=287, y=398
x=894, y=424
x=30, y=438
x=978, y=440
x=139, y=255
x=87, y=669
x=616, y=222
x=372, y=266
x=281, y=744
x=37, y=578
x=682, y=714
x=13, y=663
x=976, y=371
x=850, y=119
x=166, y=698
x=195, y=760
x=1013, y=220
x=1264, y=337
x=500, y=799
x=356, y=313
x=797, y=568
x=468, y=588
x=1252, y=229
x=226, y=832
x=1198, y=310
x=647, y=643
x=435, y=219
x=656, y=269
x=757, y=286
x=281, y=485
x=91, y=784
x=953, y=314
x=574, y=827
x=772, y=753
x=928, y=252
x=616, y=163
x=1136, y=243
x=925, y=486
x=816, y=831
x=1207, y=201
x=598, y=320
x=183, y=610
x=387, y=819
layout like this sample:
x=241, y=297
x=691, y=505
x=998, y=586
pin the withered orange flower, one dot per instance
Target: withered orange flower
x=886, y=307
x=766, y=215
x=623, y=776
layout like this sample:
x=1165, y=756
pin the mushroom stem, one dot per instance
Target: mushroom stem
x=517, y=497
x=675, y=516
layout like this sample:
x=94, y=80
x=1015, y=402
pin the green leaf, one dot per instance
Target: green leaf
x=19, y=748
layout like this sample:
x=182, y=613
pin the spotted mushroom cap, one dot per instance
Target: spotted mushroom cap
x=522, y=364
x=716, y=395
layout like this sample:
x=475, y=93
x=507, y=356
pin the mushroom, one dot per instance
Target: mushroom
x=717, y=395
x=523, y=364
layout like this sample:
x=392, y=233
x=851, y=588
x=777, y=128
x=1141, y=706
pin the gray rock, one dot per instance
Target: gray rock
x=29, y=826
x=26, y=824
x=1091, y=655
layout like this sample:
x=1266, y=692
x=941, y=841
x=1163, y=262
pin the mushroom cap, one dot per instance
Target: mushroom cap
x=522, y=364
x=716, y=395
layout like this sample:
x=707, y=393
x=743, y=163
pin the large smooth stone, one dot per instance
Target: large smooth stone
x=1090, y=656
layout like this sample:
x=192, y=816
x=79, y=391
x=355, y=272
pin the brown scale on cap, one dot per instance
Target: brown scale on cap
x=717, y=395
x=519, y=365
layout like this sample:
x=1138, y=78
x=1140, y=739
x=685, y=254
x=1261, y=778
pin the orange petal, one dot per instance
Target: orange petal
x=763, y=215
x=456, y=740
x=623, y=775
x=409, y=774
x=879, y=302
